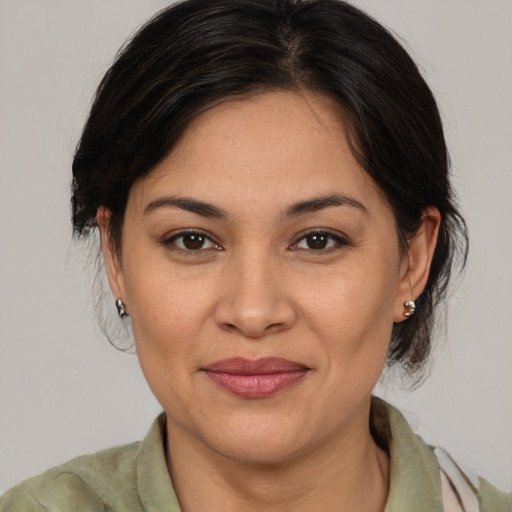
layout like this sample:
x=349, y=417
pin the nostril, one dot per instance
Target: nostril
x=253, y=333
x=274, y=327
x=230, y=327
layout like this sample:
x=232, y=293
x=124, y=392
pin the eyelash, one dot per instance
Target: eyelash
x=335, y=240
x=170, y=242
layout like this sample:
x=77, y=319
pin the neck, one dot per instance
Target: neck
x=349, y=472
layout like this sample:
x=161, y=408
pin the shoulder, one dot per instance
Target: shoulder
x=133, y=477
x=492, y=499
x=427, y=478
x=474, y=493
x=94, y=483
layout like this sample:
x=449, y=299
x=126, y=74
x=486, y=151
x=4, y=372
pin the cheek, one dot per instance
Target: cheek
x=161, y=300
x=351, y=311
x=167, y=314
x=165, y=326
x=353, y=298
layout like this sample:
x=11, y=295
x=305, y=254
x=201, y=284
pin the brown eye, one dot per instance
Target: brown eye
x=318, y=241
x=191, y=242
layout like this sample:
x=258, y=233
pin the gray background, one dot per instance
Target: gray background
x=64, y=391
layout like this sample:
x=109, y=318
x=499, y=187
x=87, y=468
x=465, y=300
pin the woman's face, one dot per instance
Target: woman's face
x=259, y=237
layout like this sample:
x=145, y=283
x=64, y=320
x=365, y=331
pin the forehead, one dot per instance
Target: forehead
x=264, y=150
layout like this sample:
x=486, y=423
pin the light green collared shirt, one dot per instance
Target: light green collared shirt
x=135, y=478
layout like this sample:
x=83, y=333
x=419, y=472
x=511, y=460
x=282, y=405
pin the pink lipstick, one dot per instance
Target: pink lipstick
x=255, y=379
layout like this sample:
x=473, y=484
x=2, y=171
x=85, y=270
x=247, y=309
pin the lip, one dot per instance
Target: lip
x=255, y=378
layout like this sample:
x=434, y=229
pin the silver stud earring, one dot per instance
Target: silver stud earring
x=410, y=306
x=121, y=308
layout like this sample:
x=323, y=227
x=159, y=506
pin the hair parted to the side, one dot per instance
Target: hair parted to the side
x=198, y=52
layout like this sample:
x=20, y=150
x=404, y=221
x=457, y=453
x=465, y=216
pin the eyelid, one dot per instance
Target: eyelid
x=168, y=240
x=340, y=239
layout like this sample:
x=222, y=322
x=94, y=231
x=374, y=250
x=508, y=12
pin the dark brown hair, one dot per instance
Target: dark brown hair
x=197, y=52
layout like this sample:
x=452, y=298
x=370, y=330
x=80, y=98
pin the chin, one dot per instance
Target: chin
x=259, y=439
x=259, y=450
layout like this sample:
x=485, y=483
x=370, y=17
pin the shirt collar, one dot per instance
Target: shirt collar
x=153, y=481
x=414, y=475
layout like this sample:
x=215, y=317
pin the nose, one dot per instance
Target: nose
x=254, y=302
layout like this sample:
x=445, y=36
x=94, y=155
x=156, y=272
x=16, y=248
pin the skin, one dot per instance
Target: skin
x=255, y=289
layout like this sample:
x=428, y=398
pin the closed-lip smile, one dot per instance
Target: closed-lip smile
x=258, y=378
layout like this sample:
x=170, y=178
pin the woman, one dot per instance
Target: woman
x=270, y=183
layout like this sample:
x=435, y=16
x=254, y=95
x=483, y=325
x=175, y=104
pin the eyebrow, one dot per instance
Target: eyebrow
x=191, y=205
x=209, y=210
x=319, y=203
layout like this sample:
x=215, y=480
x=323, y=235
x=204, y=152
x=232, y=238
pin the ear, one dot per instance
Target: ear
x=416, y=263
x=110, y=255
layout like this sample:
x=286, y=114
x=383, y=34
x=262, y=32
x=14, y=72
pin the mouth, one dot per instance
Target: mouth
x=259, y=378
